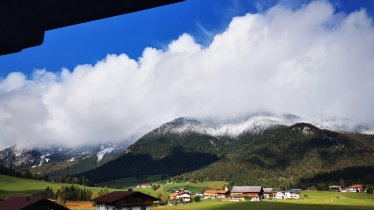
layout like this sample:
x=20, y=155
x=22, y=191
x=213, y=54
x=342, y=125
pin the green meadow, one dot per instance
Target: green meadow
x=18, y=186
x=196, y=187
x=309, y=201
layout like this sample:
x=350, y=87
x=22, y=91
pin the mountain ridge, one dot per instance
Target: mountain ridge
x=287, y=149
x=58, y=160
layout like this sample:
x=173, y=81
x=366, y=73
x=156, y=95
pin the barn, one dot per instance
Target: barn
x=247, y=191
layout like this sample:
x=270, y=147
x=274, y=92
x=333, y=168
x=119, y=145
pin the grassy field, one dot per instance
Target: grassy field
x=17, y=186
x=309, y=201
x=314, y=201
x=196, y=187
x=133, y=181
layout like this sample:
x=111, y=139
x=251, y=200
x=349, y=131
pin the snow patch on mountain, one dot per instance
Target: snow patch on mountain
x=44, y=158
x=104, y=151
x=256, y=124
x=233, y=128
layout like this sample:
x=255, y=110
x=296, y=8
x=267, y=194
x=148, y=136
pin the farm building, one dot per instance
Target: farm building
x=335, y=188
x=209, y=194
x=124, y=200
x=354, y=188
x=247, y=191
x=268, y=192
x=30, y=202
x=144, y=185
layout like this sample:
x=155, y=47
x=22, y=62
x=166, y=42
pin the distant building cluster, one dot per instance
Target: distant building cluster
x=351, y=188
x=237, y=193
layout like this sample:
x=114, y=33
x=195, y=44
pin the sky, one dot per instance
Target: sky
x=116, y=79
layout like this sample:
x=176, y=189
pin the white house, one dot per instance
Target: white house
x=181, y=195
x=125, y=200
x=288, y=194
x=354, y=188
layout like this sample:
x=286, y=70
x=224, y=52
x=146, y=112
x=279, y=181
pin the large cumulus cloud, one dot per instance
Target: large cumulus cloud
x=309, y=61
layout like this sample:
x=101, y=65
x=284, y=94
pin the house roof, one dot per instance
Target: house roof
x=114, y=196
x=356, y=186
x=268, y=190
x=246, y=189
x=20, y=202
x=215, y=191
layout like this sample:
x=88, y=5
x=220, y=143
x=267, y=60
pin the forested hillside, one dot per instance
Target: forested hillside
x=283, y=156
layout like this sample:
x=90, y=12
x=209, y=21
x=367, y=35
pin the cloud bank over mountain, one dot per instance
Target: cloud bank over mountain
x=310, y=61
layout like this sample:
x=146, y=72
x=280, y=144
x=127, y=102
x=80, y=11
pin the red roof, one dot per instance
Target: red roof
x=114, y=196
x=16, y=203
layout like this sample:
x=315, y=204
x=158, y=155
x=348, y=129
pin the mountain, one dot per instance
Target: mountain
x=260, y=149
x=56, y=161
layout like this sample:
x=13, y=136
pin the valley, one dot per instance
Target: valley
x=190, y=154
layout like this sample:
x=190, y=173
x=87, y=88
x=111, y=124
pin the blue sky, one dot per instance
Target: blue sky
x=209, y=59
x=90, y=42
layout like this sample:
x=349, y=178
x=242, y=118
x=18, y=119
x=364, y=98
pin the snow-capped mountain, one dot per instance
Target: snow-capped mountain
x=256, y=124
x=50, y=160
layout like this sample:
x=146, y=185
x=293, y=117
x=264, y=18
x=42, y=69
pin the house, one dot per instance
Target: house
x=29, y=202
x=268, y=192
x=335, y=188
x=212, y=194
x=247, y=192
x=354, y=188
x=181, y=196
x=124, y=200
x=293, y=194
x=279, y=195
x=199, y=194
x=288, y=194
x=144, y=185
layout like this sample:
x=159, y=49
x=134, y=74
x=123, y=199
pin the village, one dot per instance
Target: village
x=181, y=196
x=133, y=199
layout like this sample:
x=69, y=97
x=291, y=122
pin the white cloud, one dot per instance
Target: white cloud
x=309, y=61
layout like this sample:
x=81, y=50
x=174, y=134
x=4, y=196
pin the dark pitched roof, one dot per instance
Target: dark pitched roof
x=20, y=202
x=246, y=189
x=268, y=190
x=114, y=196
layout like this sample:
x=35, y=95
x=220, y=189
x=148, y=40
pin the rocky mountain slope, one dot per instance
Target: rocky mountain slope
x=54, y=161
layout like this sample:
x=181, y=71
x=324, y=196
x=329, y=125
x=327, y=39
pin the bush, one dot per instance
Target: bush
x=197, y=198
x=370, y=190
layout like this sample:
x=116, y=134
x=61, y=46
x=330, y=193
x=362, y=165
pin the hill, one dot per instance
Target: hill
x=262, y=152
x=57, y=161
x=10, y=185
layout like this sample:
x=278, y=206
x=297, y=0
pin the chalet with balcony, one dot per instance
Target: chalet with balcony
x=125, y=200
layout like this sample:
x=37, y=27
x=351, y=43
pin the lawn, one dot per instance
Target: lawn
x=196, y=187
x=309, y=201
x=17, y=186
x=314, y=201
